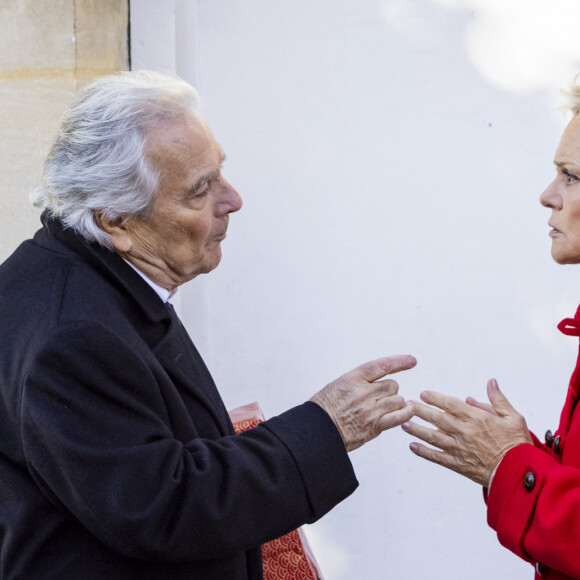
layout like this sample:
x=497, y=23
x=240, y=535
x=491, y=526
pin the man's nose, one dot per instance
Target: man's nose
x=231, y=200
x=237, y=201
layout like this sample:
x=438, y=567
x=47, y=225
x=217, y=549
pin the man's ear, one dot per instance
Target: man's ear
x=120, y=237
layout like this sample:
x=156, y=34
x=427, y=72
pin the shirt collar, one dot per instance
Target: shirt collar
x=163, y=293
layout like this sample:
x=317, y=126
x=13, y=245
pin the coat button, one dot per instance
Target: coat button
x=540, y=568
x=529, y=481
x=557, y=442
x=549, y=438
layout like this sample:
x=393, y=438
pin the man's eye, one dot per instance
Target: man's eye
x=201, y=192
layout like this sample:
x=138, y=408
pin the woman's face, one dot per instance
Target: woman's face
x=563, y=197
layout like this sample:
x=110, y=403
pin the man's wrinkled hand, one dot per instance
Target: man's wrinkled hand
x=362, y=406
x=471, y=437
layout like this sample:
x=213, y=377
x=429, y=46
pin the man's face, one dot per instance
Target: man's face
x=182, y=238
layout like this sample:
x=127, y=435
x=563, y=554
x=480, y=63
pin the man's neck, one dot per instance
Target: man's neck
x=162, y=292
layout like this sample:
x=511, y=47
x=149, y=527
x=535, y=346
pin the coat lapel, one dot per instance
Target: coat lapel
x=183, y=363
x=160, y=328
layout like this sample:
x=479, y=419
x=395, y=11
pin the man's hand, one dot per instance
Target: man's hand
x=473, y=437
x=361, y=406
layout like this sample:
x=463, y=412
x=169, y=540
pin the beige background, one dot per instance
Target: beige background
x=47, y=50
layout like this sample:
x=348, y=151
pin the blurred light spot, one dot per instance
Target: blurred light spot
x=518, y=45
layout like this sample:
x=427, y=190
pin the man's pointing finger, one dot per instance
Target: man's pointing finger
x=376, y=369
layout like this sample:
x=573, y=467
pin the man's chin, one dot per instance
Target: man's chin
x=214, y=262
x=210, y=263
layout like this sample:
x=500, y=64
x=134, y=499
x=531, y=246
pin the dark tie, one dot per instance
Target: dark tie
x=173, y=314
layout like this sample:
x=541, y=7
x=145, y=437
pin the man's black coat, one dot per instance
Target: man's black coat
x=117, y=456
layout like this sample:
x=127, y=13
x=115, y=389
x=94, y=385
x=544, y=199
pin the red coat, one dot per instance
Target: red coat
x=534, y=500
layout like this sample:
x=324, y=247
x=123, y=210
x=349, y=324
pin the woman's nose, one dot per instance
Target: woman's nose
x=550, y=197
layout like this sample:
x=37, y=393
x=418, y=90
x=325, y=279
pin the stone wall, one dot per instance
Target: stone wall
x=48, y=49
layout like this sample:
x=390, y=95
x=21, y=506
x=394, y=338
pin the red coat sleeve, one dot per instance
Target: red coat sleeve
x=534, y=499
x=534, y=505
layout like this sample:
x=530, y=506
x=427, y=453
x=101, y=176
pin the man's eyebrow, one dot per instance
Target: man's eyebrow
x=209, y=176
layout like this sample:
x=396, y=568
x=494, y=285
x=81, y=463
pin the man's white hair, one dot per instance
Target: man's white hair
x=97, y=162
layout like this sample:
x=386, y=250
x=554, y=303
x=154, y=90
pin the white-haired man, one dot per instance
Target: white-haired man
x=117, y=456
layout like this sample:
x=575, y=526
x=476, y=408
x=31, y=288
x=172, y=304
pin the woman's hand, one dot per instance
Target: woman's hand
x=473, y=437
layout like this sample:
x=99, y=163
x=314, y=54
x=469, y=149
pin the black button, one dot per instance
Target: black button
x=540, y=568
x=557, y=441
x=529, y=481
x=549, y=438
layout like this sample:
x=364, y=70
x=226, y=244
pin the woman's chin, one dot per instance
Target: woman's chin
x=564, y=258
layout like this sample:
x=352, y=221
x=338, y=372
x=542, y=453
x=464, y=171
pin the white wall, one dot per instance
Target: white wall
x=390, y=155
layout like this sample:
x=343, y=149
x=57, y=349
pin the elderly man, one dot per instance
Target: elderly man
x=117, y=456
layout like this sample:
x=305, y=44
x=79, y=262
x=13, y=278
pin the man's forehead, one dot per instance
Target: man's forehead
x=187, y=140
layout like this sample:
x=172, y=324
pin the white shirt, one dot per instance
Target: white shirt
x=163, y=293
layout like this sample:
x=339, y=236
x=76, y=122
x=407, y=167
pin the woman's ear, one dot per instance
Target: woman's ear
x=120, y=237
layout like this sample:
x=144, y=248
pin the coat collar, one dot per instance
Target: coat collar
x=189, y=371
x=107, y=262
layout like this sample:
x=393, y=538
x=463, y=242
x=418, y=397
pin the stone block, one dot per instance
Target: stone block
x=48, y=48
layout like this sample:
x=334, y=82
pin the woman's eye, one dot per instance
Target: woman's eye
x=570, y=177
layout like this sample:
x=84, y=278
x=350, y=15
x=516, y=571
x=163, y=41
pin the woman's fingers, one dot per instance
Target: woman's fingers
x=431, y=436
x=451, y=405
x=501, y=405
x=472, y=436
x=442, y=420
x=479, y=405
x=427, y=452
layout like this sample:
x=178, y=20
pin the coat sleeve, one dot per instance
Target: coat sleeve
x=534, y=505
x=98, y=442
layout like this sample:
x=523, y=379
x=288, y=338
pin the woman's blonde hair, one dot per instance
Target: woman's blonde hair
x=573, y=96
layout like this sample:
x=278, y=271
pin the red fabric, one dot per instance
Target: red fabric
x=288, y=557
x=543, y=525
